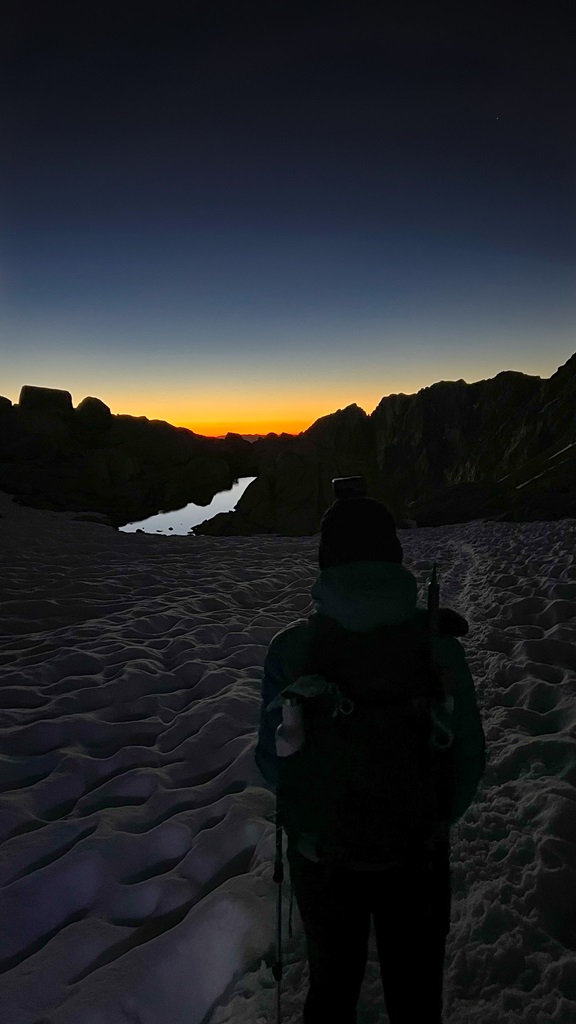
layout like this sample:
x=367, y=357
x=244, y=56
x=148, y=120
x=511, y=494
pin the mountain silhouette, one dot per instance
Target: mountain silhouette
x=502, y=448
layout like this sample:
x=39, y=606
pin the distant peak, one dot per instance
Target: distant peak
x=356, y=409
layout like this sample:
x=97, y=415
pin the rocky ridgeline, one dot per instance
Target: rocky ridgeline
x=125, y=467
x=502, y=448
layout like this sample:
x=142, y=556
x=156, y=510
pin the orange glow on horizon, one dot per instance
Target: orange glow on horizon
x=222, y=428
x=211, y=414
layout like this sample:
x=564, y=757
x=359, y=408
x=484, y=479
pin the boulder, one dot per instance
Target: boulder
x=92, y=414
x=5, y=405
x=45, y=400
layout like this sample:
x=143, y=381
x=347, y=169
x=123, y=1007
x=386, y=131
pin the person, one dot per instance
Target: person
x=363, y=586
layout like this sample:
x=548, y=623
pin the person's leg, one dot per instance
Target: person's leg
x=336, y=918
x=411, y=910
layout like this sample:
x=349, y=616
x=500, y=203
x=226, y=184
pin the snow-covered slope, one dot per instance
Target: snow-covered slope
x=137, y=836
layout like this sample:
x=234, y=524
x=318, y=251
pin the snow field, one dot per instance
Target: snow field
x=137, y=835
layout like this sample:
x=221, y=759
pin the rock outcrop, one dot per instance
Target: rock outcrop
x=125, y=467
x=451, y=432
x=284, y=499
x=502, y=448
x=294, y=484
x=92, y=414
x=45, y=400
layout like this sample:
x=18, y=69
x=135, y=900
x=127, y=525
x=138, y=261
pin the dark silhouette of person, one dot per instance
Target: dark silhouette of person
x=362, y=589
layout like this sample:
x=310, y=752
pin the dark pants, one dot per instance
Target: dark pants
x=411, y=911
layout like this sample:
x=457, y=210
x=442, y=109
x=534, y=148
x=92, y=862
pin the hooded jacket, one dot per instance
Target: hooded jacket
x=361, y=596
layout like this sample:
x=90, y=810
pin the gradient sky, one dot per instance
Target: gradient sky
x=244, y=216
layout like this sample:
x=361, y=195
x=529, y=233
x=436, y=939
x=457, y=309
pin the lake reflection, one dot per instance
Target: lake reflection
x=182, y=520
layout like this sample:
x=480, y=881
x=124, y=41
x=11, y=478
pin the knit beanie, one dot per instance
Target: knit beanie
x=358, y=530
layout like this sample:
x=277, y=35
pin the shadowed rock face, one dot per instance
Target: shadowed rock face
x=451, y=453
x=452, y=432
x=126, y=467
x=294, y=485
x=492, y=449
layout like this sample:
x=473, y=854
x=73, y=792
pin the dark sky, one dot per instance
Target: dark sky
x=237, y=212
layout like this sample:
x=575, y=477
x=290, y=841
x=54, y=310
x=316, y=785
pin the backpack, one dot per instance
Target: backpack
x=368, y=783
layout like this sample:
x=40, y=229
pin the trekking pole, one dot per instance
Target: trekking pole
x=279, y=878
x=289, y=739
x=433, y=616
x=433, y=602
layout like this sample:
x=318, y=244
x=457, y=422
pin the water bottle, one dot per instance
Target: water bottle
x=290, y=733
